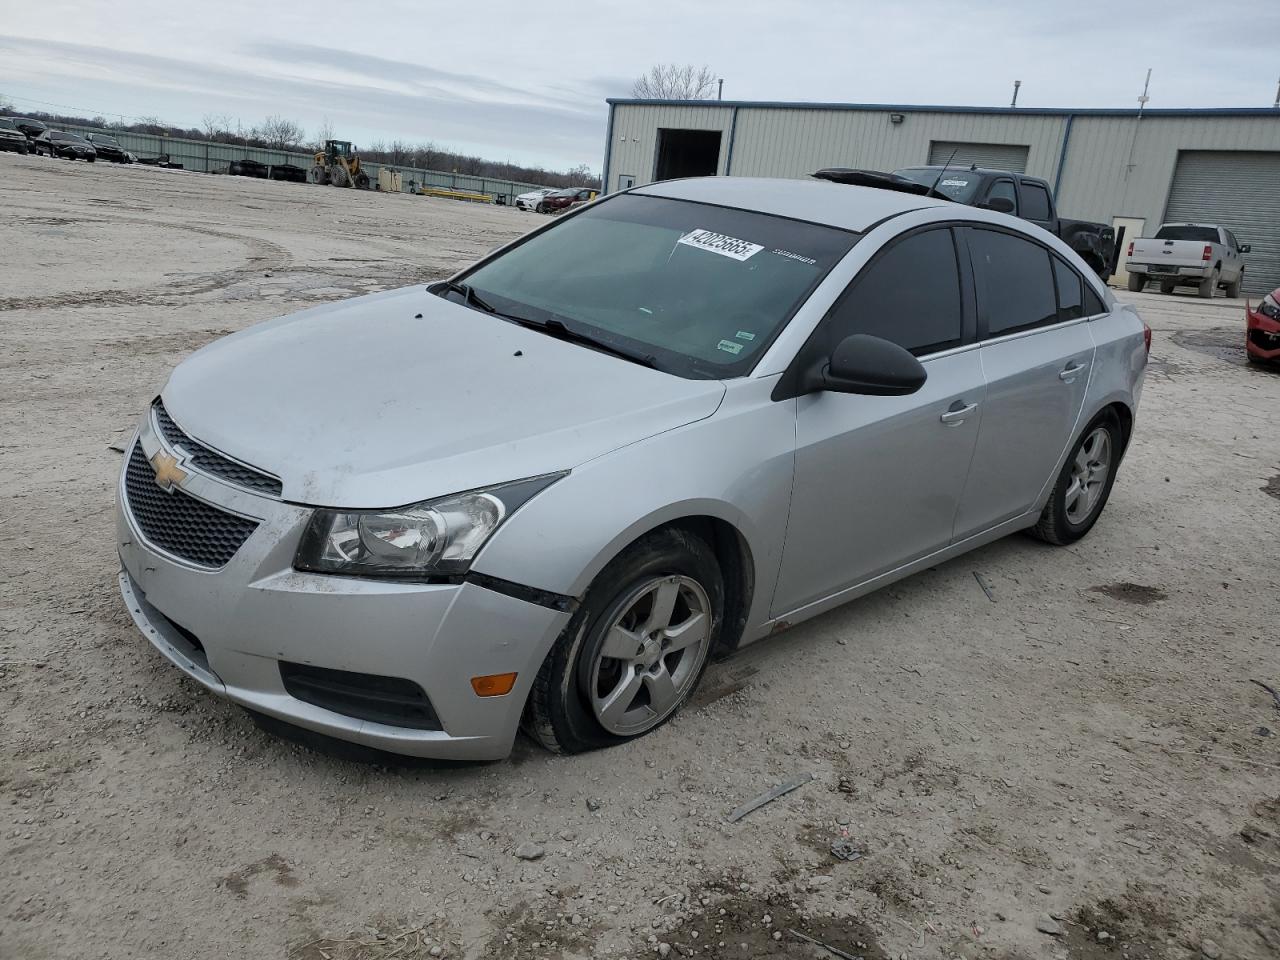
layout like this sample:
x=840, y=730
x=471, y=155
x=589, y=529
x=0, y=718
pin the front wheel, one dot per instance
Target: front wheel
x=634, y=650
x=1137, y=281
x=1084, y=484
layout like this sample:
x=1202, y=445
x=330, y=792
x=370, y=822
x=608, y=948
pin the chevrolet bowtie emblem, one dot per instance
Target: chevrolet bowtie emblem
x=168, y=474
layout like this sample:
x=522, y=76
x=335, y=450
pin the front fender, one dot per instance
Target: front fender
x=735, y=466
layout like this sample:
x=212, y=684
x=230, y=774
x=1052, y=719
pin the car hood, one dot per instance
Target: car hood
x=397, y=397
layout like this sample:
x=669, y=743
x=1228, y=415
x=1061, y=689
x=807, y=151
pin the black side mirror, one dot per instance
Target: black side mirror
x=1245, y=248
x=998, y=204
x=870, y=366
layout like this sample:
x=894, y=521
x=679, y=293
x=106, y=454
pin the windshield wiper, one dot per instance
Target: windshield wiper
x=557, y=329
x=468, y=294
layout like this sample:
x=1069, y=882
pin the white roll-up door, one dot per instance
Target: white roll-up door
x=993, y=156
x=1238, y=190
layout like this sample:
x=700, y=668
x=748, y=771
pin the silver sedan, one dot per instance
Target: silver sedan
x=546, y=491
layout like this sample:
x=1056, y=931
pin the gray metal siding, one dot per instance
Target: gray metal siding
x=634, y=142
x=1239, y=191
x=994, y=156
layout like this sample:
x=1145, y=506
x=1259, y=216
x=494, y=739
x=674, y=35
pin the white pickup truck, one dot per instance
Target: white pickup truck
x=1188, y=254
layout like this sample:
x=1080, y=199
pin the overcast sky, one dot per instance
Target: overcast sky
x=495, y=79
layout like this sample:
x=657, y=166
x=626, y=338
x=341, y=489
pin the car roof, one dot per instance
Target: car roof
x=818, y=201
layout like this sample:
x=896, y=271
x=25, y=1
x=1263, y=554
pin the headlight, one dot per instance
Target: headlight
x=1269, y=308
x=436, y=538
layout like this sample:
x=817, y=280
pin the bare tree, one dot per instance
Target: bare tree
x=280, y=134
x=324, y=134
x=214, y=124
x=669, y=81
x=6, y=104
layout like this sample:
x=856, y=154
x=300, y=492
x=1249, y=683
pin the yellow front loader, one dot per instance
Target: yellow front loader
x=338, y=165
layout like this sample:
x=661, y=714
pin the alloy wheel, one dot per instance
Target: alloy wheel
x=1089, y=472
x=652, y=654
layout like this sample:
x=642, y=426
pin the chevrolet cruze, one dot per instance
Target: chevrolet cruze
x=546, y=491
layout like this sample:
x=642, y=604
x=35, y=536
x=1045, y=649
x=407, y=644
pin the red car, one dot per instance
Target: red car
x=1262, y=339
x=563, y=199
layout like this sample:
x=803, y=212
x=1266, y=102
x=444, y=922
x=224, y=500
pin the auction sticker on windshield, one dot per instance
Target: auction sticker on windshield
x=714, y=242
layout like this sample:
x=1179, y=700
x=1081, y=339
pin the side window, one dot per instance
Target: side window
x=1004, y=188
x=1231, y=240
x=1070, y=291
x=1035, y=201
x=1015, y=282
x=909, y=295
x=1093, y=304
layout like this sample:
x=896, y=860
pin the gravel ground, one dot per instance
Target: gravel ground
x=1080, y=768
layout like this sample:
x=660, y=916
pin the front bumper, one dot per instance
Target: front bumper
x=230, y=628
x=1262, y=336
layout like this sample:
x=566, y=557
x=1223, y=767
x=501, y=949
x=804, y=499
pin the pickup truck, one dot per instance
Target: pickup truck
x=1027, y=197
x=1188, y=254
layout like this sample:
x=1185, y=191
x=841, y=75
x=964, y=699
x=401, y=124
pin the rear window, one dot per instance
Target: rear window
x=959, y=185
x=6, y=124
x=1187, y=231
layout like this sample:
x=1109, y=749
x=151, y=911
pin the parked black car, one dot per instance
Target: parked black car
x=1027, y=197
x=107, y=147
x=32, y=128
x=56, y=143
x=11, y=138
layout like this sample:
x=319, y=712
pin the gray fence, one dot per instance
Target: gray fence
x=205, y=156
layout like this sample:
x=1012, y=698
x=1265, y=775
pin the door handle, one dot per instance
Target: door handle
x=1070, y=372
x=956, y=415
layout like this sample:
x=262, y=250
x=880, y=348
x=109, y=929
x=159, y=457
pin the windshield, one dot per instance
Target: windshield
x=66, y=137
x=703, y=290
x=102, y=141
x=1187, y=231
x=959, y=184
x=6, y=124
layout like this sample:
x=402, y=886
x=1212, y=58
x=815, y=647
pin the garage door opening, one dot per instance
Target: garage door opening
x=990, y=156
x=687, y=153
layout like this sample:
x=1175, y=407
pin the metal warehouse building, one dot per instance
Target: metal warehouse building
x=1128, y=169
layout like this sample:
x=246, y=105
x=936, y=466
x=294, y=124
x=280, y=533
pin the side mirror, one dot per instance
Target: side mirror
x=870, y=366
x=1245, y=248
x=998, y=204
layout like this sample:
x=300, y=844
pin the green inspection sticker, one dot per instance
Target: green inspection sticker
x=745, y=335
x=728, y=346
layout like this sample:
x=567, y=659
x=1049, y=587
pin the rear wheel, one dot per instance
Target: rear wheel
x=1137, y=281
x=1233, y=288
x=541, y=208
x=1208, y=285
x=634, y=650
x=1084, y=484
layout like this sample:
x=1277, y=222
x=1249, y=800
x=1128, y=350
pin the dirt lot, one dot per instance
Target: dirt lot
x=1087, y=747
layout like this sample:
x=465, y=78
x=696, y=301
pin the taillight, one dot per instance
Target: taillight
x=1131, y=248
x=1146, y=337
x=1208, y=253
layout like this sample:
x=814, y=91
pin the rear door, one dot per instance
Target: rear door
x=1036, y=205
x=878, y=479
x=1037, y=354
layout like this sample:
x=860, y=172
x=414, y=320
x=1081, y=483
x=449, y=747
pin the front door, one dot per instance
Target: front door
x=878, y=479
x=1127, y=230
x=1037, y=355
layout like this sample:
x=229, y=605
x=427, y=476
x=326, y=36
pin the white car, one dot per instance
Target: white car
x=530, y=200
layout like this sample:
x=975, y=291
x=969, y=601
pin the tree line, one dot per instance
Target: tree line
x=281, y=133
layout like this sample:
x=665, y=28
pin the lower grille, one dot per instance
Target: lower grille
x=179, y=524
x=1264, y=340
x=365, y=696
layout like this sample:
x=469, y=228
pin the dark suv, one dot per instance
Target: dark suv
x=11, y=138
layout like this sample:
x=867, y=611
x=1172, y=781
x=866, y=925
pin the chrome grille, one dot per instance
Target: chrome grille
x=179, y=524
x=214, y=464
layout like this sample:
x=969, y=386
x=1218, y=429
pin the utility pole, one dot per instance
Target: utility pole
x=1014, y=102
x=1142, y=100
x=720, y=91
x=1277, y=103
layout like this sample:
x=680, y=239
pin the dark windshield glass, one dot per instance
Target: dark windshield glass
x=6, y=124
x=1188, y=232
x=702, y=289
x=101, y=141
x=958, y=185
x=66, y=137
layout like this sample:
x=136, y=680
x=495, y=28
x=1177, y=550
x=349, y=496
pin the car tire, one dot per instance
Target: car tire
x=1137, y=282
x=1207, y=286
x=1233, y=288
x=1166, y=286
x=541, y=208
x=652, y=594
x=1065, y=519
